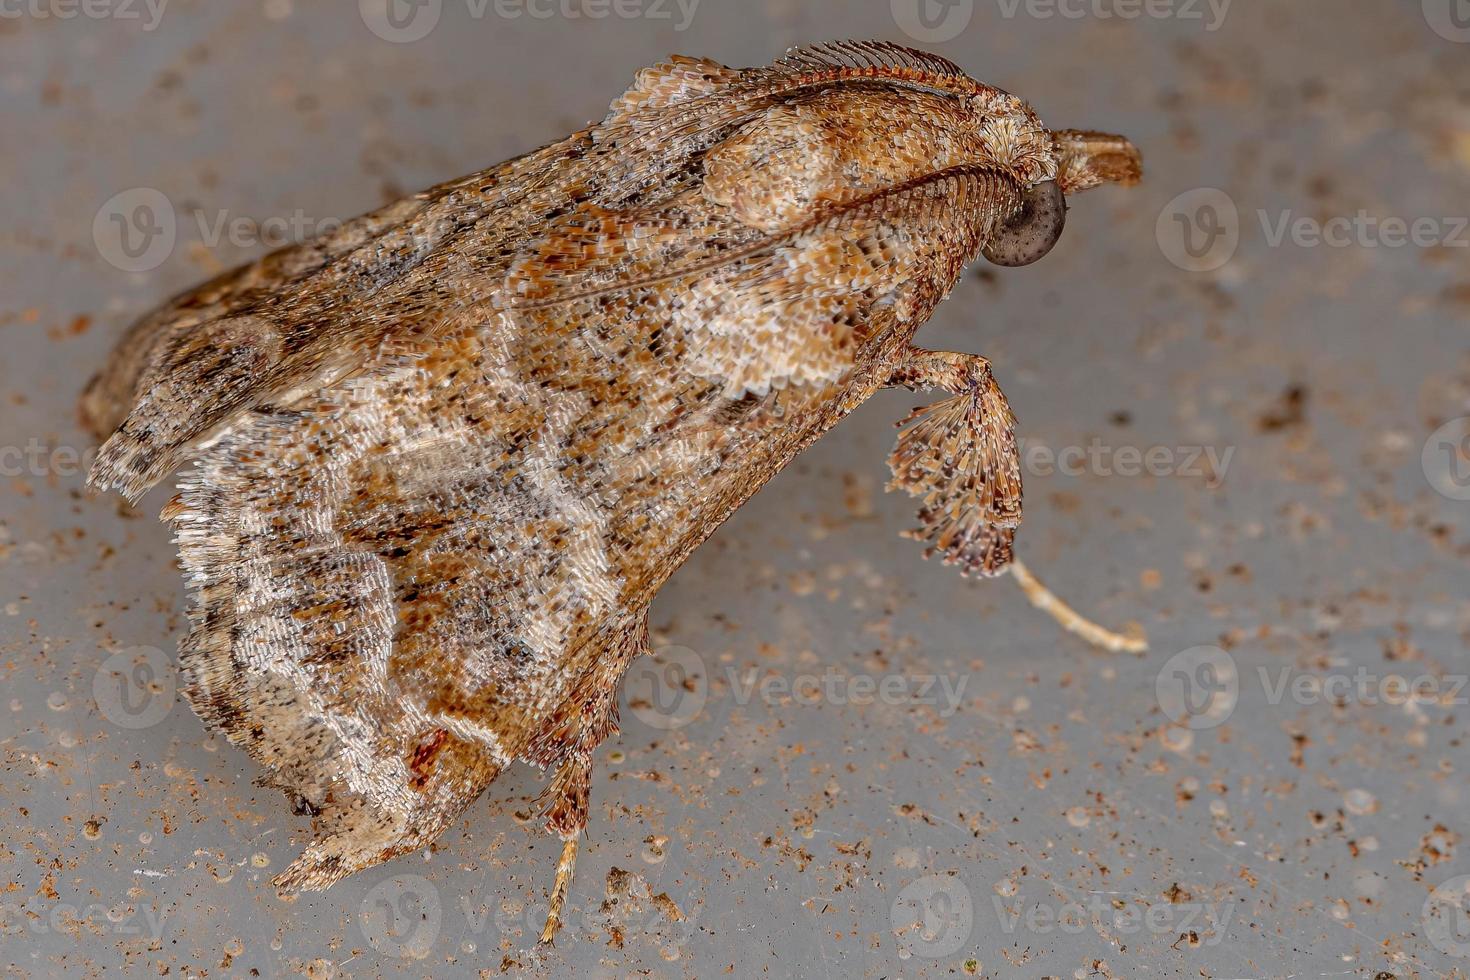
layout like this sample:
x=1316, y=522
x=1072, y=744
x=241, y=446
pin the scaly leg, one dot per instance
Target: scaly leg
x=960, y=456
x=589, y=715
x=567, y=817
x=564, y=869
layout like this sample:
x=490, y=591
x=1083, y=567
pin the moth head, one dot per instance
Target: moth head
x=840, y=142
x=1082, y=159
x=857, y=118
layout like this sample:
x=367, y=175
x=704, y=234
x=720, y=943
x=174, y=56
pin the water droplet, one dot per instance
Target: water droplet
x=1360, y=801
x=1177, y=739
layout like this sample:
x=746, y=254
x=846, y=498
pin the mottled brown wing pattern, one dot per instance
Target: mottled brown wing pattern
x=317, y=313
x=449, y=531
x=144, y=350
x=312, y=313
x=294, y=322
x=768, y=309
x=447, y=455
x=382, y=603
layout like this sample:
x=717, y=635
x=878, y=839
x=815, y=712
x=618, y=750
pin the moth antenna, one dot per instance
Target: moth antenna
x=833, y=63
x=1070, y=619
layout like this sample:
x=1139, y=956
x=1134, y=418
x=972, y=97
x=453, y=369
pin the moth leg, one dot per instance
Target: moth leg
x=960, y=456
x=587, y=717
x=567, y=818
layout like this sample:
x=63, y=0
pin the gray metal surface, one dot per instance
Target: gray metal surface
x=876, y=768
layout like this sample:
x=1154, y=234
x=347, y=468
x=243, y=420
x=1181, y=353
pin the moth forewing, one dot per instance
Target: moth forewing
x=444, y=457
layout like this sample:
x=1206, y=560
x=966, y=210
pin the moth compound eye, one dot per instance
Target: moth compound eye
x=1035, y=228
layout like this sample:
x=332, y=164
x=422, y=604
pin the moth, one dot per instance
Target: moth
x=443, y=458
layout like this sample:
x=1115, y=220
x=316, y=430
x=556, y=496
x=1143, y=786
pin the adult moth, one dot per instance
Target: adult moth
x=444, y=457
